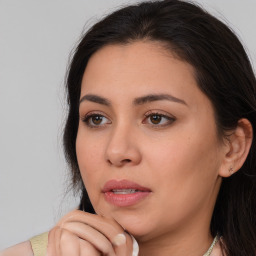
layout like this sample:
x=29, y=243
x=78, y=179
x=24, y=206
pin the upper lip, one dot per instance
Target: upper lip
x=123, y=184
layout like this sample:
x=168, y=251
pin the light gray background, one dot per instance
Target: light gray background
x=36, y=38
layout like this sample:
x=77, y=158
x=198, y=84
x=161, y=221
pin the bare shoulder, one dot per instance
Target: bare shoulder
x=21, y=249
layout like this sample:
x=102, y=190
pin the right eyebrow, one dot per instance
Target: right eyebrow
x=96, y=99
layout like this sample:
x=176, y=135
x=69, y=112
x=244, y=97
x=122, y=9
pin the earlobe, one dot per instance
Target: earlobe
x=237, y=148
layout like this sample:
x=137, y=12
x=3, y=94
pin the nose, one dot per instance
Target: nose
x=122, y=148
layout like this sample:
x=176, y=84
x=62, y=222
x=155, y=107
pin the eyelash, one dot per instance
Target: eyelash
x=86, y=119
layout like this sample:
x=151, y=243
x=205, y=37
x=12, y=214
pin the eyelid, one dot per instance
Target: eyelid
x=93, y=113
x=159, y=112
x=169, y=117
x=87, y=116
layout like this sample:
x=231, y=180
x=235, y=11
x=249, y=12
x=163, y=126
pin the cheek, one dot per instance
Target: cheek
x=186, y=170
x=88, y=151
x=189, y=153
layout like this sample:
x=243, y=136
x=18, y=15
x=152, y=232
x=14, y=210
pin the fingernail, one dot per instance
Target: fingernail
x=119, y=239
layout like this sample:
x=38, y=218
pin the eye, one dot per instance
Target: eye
x=95, y=120
x=158, y=119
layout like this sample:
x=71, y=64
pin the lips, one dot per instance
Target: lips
x=124, y=192
x=122, y=185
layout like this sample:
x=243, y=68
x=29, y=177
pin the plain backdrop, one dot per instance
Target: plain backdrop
x=36, y=38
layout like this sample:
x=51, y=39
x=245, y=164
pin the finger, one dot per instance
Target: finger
x=93, y=220
x=69, y=244
x=126, y=248
x=51, y=243
x=91, y=235
x=57, y=236
x=63, y=243
x=87, y=249
x=122, y=242
x=108, y=227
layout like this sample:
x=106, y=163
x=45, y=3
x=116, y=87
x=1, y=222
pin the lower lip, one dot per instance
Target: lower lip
x=123, y=200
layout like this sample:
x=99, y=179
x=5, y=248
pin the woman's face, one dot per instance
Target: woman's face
x=143, y=120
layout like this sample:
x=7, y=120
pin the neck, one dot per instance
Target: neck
x=192, y=237
x=195, y=244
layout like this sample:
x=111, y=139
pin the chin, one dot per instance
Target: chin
x=138, y=221
x=136, y=225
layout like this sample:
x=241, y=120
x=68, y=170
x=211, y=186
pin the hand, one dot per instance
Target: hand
x=83, y=234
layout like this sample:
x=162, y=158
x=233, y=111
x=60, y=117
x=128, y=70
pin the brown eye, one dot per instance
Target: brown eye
x=96, y=119
x=159, y=120
x=155, y=119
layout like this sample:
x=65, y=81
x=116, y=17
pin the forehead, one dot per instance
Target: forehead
x=123, y=71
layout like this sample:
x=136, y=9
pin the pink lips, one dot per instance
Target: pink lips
x=124, y=192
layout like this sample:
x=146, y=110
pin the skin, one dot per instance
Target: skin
x=181, y=158
x=180, y=161
x=132, y=71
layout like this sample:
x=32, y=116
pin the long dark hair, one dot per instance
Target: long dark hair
x=223, y=73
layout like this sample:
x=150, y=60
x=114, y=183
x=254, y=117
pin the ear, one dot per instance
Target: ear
x=237, y=148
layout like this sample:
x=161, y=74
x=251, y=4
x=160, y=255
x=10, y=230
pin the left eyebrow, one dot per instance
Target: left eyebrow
x=137, y=101
x=156, y=97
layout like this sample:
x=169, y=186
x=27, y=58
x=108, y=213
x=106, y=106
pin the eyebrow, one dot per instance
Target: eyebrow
x=137, y=101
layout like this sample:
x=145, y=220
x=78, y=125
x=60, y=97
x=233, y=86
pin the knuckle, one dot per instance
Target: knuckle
x=65, y=236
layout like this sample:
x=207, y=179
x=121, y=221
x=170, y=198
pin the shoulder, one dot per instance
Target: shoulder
x=21, y=249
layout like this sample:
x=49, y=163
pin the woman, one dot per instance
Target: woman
x=160, y=138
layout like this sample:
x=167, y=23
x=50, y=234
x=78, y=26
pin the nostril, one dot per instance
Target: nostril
x=126, y=160
x=119, y=163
